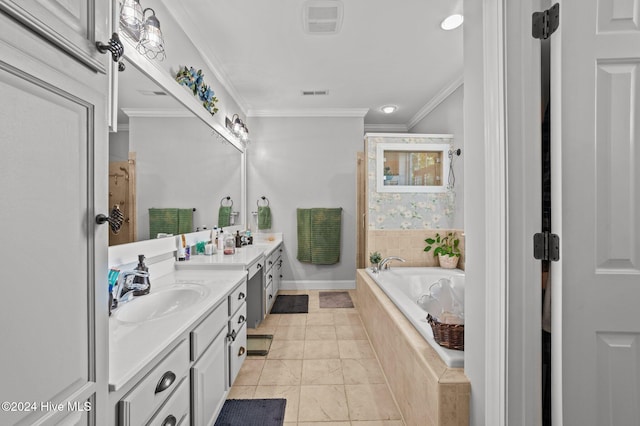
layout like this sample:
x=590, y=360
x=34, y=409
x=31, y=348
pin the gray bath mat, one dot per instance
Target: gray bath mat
x=291, y=304
x=252, y=412
x=335, y=299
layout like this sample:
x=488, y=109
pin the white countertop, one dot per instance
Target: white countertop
x=244, y=256
x=132, y=346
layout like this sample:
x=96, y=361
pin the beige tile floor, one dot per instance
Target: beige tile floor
x=323, y=364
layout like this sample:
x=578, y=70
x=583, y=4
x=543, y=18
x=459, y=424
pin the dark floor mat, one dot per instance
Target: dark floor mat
x=335, y=299
x=291, y=304
x=259, y=344
x=252, y=412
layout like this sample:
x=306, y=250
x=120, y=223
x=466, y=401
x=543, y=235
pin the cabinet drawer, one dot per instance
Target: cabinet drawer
x=237, y=298
x=256, y=267
x=268, y=298
x=176, y=410
x=237, y=354
x=207, y=330
x=238, y=320
x=138, y=406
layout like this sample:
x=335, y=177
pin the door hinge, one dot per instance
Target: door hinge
x=545, y=23
x=546, y=246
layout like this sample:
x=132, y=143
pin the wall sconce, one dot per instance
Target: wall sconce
x=237, y=127
x=145, y=30
x=131, y=18
x=151, y=43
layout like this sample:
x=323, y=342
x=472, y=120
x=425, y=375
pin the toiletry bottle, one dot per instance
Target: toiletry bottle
x=221, y=240
x=229, y=244
x=238, y=240
x=181, y=254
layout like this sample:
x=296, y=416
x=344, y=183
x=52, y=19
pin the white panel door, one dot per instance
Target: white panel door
x=597, y=185
x=53, y=257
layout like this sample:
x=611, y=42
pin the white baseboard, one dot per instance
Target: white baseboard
x=317, y=285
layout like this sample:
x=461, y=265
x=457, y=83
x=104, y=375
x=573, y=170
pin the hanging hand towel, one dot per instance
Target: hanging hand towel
x=319, y=232
x=264, y=217
x=162, y=221
x=224, y=216
x=185, y=221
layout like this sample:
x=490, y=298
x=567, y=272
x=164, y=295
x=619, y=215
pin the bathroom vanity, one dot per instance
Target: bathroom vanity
x=175, y=364
x=263, y=263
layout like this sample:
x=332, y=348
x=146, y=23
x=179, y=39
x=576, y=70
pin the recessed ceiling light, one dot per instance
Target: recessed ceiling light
x=452, y=22
x=388, y=109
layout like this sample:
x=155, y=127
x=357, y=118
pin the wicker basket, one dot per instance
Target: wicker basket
x=450, y=336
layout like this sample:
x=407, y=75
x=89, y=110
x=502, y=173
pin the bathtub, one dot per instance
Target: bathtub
x=404, y=285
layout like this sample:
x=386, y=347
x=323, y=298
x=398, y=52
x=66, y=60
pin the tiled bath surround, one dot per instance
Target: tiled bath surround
x=409, y=244
x=428, y=392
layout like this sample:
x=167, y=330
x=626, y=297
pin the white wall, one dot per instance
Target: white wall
x=181, y=164
x=447, y=117
x=119, y=146
x=307, y=162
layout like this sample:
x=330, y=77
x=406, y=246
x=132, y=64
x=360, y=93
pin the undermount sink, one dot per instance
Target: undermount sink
x=160, y=303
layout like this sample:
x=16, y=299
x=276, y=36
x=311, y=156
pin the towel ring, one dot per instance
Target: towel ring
x=263, y=198
x=227, y=198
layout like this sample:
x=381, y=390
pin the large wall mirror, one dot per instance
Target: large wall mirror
x=420, y=167
x=165, y=158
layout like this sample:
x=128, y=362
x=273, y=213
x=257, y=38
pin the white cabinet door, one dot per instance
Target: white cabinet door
x=208, y=383
x=53, y=181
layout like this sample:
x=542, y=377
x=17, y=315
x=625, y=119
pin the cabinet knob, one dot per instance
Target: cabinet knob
x=166, y=381
x=170, y=420
x=270, y=276
x=241, y=351
x=114, y=46
x=271, y=296
x=241, y=296
x=232, y=335
x=241, y=319
x=259, y=266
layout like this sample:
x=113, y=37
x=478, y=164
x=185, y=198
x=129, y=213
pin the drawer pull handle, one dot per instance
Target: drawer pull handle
x=241, y=351
x=166, y=381
x=241, y=296
x=170, y=420
x=241, y=319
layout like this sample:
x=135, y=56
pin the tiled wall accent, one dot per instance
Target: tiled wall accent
x=397, y=210
x=427, y=392
x=409, y=244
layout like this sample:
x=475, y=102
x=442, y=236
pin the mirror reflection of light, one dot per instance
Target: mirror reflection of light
x=452, y=22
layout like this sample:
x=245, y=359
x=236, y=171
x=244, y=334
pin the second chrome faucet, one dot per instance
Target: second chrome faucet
x=384, y=263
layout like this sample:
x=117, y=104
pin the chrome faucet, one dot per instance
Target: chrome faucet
x=383, y=262
x=124, y=291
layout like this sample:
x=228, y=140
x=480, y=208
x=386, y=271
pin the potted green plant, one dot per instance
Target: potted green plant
x=446, y=248
x=375, y=259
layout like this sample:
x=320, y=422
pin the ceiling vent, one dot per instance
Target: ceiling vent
x=315, y=92
x=322, y=16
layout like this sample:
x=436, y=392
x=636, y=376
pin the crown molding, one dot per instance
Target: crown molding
x=443, y=94
x=386, y=128
x=158, y=112
x=309, y=112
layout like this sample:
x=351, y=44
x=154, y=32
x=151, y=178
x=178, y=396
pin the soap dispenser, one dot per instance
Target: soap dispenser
x=141, y=285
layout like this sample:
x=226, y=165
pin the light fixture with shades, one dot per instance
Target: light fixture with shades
x=237, y=127
x=151, y=43
x=131, y=18
x=143, y=29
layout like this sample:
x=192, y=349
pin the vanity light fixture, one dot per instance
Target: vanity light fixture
x=151, y=42
x=389, y=109
x=237, y=127
x=131, y=18
x=452, y=22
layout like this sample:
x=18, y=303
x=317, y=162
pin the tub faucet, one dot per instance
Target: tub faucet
x=383, y=262
x=123, y=291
